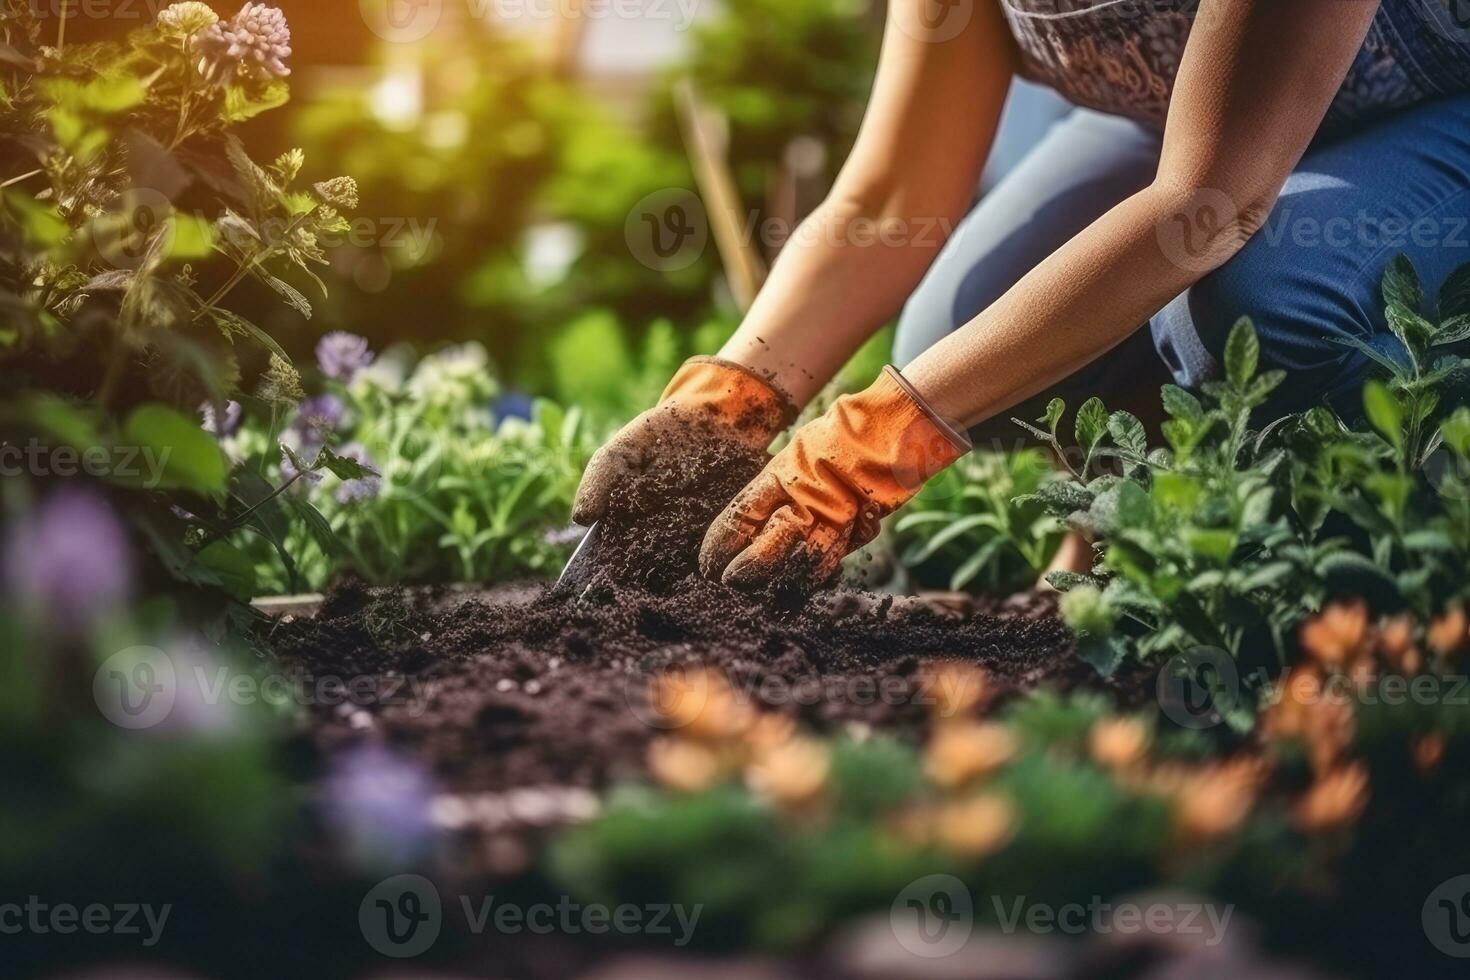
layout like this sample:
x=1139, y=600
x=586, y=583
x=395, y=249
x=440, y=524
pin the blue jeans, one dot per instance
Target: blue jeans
x=1401, y=184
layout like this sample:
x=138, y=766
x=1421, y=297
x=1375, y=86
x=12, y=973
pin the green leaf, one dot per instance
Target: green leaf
x=1401, y=284
x=1103, y=654
x=1454, y=295
x=1214, y=544
x=1127, y=431
x=1349, y=573
x=1092, y=423
x=1429, y=539
x=1456, y=431
x=343, y=467
x=240, y=105
x=1180, y=404
x=1383, y=360
x=1409, y=327
x=186, y=456
x=1055, y=409
x=231, y=567
x=189, y=237
x=72, y=424
x=1452, y=331
x=315, y=522
x=976, y=563
x=1242, y=353
x=1384, y=412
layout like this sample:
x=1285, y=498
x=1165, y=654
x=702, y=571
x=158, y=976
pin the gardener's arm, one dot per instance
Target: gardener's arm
x=1254, y=85
x=911, y=175
x=1255, y=82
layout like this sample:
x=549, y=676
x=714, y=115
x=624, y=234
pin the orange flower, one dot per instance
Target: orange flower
x=957, y=688
x=1449, y=633
x=1427, y=752
x=1335, y=799
x=683, y=764
x=1396, y=643
x=964, y=751
x=699, y=704
x=1118, y=743
x=1216, y=801
x=769, y=730
x=1328, y=730
x=1338, y=634
x=790, y=774
x=1300, y=692
x=976, y=826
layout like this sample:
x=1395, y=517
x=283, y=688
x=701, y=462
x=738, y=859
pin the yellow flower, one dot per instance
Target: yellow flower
x=1338, y=634
x=976, y=826
x=1118, y=743
x=964, y=751
x=684, y=765
x=1335, y=799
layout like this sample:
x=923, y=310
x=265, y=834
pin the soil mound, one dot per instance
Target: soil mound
x=554, y=687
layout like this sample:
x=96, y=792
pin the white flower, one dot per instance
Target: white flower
x=184, y=19
x=458, y=375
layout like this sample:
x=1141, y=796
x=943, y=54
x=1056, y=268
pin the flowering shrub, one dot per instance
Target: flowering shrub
x=461, y=482
x=119, y=249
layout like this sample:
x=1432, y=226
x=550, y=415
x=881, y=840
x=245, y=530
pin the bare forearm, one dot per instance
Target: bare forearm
x=845, y=272
x=1089, y=296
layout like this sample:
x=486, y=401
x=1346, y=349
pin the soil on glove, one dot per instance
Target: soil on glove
x=544, y=687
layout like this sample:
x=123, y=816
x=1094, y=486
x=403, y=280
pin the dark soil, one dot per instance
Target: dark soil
x=543, y=687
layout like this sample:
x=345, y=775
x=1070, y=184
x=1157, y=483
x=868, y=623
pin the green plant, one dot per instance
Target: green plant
x=1229, y=536
x=979, y=524
x=451, y=492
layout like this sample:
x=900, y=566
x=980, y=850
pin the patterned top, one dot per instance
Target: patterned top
x=1121, y=56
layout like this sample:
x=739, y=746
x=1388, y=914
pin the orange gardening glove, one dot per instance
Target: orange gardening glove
x=823, y=495
x=705, y=392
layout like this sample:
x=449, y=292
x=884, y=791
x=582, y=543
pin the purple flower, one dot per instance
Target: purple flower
x=224, y=425
x=341, y=355
x=70, y=558
x=318, y=417
x=365, y=488
x=378, y=802
x=256, y=40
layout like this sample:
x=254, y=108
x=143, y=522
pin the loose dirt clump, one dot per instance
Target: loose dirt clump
x=549, y=687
